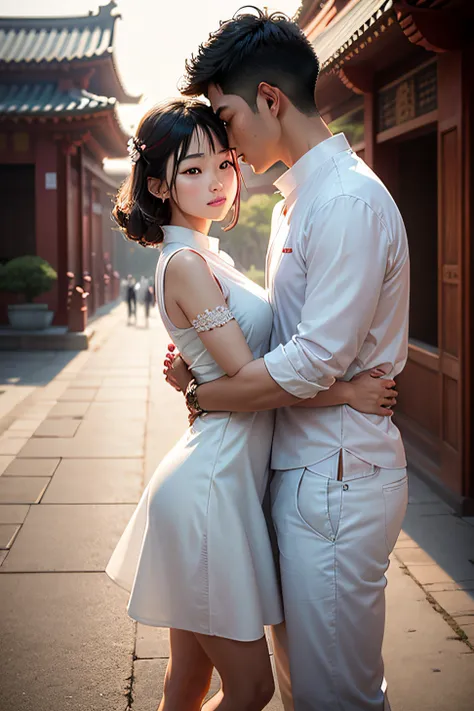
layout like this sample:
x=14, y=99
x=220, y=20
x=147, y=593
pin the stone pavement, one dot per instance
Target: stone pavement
x=80, y=435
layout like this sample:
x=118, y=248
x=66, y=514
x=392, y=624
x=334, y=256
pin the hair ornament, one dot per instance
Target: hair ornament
x=135, y=149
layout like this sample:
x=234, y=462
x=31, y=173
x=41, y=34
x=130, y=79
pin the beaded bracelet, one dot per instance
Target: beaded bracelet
x=192, y=402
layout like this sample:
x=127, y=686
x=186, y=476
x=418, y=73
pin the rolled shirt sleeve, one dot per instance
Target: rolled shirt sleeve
x=345, y=247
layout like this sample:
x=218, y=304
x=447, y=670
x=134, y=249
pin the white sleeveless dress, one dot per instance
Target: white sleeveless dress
x=196, y=553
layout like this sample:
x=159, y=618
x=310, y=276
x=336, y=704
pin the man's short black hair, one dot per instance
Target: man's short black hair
x=254, y=48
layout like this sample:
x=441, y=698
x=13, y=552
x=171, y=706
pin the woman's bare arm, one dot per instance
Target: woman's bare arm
x=191, y=286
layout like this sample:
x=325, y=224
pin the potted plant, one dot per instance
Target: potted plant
x=30, y=276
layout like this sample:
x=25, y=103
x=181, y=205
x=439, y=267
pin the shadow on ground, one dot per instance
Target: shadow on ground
x=444, y=538
x=32, y=367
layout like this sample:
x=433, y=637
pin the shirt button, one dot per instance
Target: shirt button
x=345, y=487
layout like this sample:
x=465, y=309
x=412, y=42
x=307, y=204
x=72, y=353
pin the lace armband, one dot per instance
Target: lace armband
x=212, y=318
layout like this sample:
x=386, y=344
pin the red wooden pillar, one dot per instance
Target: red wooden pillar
x=80, y=220
x=99, y=246
x=381, y=157
x=369, y=127
x=46, y=209
x=89, y=243
x=88, y=246
x=361, y=80
x=64, y=178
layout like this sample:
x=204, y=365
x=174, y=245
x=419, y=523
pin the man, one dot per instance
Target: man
x=338, y=279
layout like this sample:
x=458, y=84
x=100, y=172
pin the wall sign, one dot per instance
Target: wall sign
x=51, y=181
x=410, y=97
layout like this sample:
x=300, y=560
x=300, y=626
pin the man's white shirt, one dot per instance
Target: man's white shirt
x=338, y=281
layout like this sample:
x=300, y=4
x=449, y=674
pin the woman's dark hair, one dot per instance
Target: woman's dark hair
x=165, y=131
x=249, y=49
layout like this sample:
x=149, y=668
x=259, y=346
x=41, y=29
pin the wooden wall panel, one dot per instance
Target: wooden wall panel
x=419, y=396
x=450, y=321
x=450, y=472
x=450, y=412
x=449, y=195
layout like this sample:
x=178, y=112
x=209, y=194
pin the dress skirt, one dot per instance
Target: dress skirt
x=196, y=554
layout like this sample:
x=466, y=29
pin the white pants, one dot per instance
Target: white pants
x=334, y=541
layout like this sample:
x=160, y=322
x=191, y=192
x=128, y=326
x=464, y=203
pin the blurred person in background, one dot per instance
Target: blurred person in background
x=131, y=296
x=148, y=300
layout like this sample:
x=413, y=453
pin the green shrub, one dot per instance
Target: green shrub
x=256, y=275
x=29, y=275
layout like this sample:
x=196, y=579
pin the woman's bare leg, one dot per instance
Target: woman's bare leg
x=188, y=675
x=214, y=701
x=245, y=670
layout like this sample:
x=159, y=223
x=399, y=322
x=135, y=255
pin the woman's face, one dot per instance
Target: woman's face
x=206, y=182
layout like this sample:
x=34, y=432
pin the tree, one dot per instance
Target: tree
x=247, y=242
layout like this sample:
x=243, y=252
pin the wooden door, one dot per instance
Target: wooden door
x=450, y=271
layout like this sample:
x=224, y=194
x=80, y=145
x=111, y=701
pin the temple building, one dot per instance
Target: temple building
x=59, y=91
x=398, y=79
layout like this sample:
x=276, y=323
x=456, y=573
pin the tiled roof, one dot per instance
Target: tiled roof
x=347, y=28
x=47, y=100
x=57, y=39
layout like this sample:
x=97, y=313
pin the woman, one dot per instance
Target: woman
x=196, y=554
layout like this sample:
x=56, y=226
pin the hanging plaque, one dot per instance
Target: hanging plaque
x=408, y=98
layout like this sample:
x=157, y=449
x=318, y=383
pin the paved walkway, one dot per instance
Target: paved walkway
x=80, y=434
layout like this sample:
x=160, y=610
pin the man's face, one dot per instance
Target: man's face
x=253, y=135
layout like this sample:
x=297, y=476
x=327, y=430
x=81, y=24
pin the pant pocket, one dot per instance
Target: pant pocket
x=319, y=504
x=395, y=497
x=354, y=468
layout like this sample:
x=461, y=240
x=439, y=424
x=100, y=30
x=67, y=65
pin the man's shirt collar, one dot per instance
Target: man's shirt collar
x=310, y=162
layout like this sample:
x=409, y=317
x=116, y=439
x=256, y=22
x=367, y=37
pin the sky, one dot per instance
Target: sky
x=152, y=39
